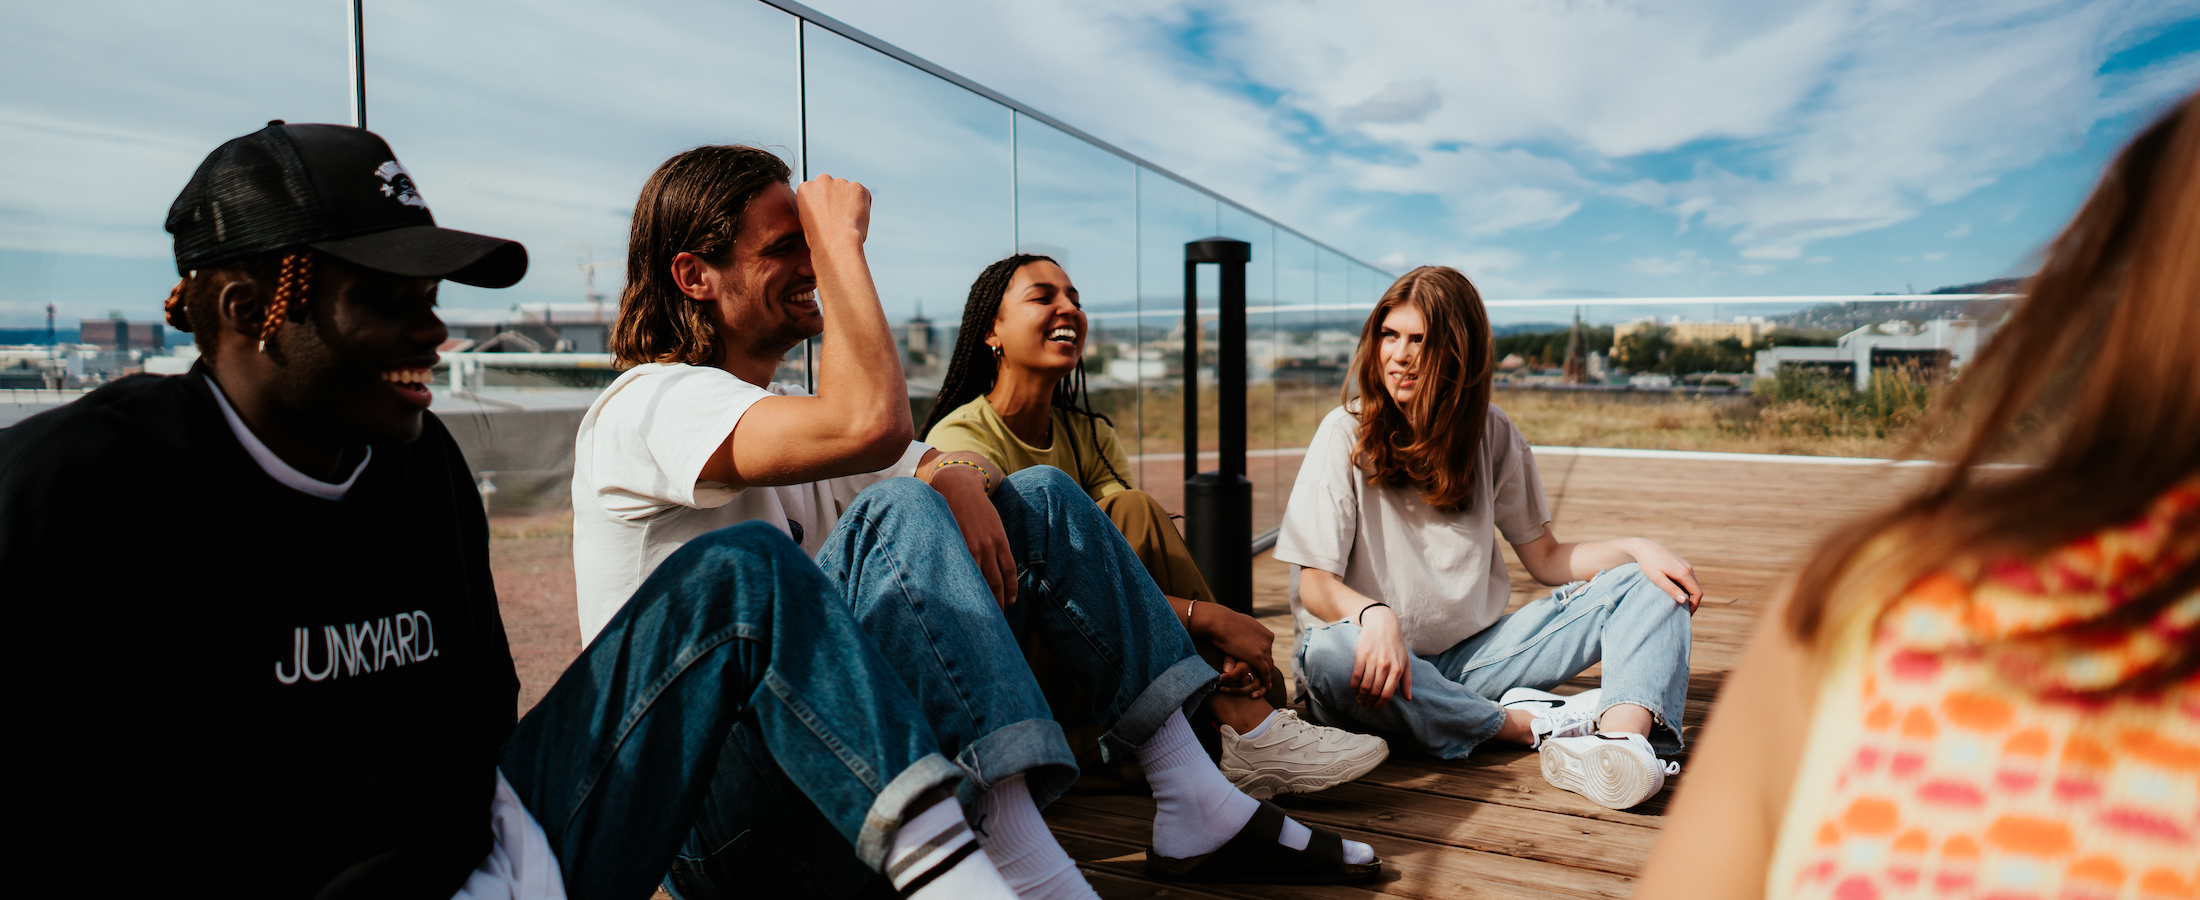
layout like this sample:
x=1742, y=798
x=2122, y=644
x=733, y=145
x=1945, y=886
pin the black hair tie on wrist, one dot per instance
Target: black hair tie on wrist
x=1363, y=612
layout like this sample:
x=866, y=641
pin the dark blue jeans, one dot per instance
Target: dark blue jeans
x=899, y=559
x=736, y=641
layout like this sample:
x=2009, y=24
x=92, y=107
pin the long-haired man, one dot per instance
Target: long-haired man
x=949, y=571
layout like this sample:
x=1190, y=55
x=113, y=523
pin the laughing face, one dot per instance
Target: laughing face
x=357, y=369
x=1040, y=327
x=767, y=298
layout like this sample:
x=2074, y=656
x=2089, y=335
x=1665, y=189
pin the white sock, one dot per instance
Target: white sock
x=934, y=857
x=1198, y=809
x=1262, y=728
x=1023, y=848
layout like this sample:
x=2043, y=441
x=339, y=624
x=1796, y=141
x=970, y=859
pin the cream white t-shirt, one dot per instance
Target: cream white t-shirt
x=638, y=493
x=1441, y=571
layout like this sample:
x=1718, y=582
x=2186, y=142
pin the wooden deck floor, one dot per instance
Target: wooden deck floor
x=1489, y=826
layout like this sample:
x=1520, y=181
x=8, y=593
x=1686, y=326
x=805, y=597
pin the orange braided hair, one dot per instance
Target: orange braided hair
x=292, y=287
x=172, y=308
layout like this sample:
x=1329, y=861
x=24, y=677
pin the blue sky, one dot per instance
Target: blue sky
x=1607, y=148
x=1591, y=148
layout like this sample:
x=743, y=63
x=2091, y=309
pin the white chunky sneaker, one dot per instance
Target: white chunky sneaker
x=1615, y=769
x=1294, y=756
x=1540, y=702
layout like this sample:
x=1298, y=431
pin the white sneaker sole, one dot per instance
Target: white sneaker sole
x=1265, y=784
x=1610, y=775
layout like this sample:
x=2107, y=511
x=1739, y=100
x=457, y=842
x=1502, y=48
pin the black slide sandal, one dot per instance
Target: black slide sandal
x=1254, y=857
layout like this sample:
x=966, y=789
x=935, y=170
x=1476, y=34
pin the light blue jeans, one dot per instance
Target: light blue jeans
x=1618, y=618
x=897, y=558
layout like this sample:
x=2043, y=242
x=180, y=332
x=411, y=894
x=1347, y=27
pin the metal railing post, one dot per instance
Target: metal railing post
x=1218, y=505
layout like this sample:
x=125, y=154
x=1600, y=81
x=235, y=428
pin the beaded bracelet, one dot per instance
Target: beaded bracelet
x=982, y=473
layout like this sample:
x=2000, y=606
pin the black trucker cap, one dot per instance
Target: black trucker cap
x=336, y=189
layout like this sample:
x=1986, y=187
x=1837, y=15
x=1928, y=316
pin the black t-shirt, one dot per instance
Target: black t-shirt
x=228, y=684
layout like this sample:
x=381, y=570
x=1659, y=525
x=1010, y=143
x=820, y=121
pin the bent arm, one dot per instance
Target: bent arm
x=1554, y=563
x=1718, y=841
x=859, y=420
x=1325, y=595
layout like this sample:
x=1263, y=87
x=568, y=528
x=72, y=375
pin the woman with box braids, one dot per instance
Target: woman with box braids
x=190, y=304
x=969, y=376
x=1028, y=405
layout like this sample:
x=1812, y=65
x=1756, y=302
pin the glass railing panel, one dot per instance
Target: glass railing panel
x=1079, y=204
x=97, y=151
x=1169, y=216
x=546, y=134
x=1260, y=355
x=938, y=162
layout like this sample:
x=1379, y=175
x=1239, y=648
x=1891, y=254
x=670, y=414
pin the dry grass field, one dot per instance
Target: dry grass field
x=1803, y=419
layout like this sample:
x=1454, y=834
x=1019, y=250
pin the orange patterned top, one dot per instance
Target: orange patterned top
x=1962, y=752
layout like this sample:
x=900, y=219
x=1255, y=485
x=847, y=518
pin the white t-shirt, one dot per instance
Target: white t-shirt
x=520, y=864
x=638, y=493
x=1441, y=571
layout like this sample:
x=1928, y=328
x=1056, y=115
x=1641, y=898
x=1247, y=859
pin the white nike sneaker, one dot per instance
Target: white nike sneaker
x=1556, y=716
x=1615, y=769
x=1539, y=702
x=1294, y=756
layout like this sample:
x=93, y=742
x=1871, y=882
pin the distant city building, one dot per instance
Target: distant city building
x=531, y=328
x=1940, y=345
x=917, y=338
x=117, y=336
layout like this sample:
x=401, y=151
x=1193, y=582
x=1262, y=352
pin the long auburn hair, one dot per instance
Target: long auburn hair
x=1432, y=443
x=693, y=203
x=971, y=371
x=2091, y=381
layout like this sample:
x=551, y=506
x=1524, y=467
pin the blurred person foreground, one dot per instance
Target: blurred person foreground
x=1991, y=688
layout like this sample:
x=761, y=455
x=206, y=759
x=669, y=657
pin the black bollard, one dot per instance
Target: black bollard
x=1218, y=505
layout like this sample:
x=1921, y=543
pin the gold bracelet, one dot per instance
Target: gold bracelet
x=982, y=473
x=1188, y=606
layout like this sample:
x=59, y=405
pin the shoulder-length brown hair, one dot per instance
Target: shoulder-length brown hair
x=691, y=204
x=1432, y=443
x=2091, y=381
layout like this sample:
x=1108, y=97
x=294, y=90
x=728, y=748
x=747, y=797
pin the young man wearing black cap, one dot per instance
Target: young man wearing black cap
x=300, y=687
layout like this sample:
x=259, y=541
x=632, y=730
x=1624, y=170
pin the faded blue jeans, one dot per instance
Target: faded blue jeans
x=899, y=559
x=1618, y=618
x=736, y=640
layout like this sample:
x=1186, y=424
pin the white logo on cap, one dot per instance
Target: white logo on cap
x=398, y=183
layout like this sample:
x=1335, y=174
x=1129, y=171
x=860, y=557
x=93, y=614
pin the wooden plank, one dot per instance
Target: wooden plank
x=1492, y=828
x=1416, y=868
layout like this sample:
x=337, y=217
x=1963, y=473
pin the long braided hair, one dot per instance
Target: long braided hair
x=190, y=304
x=971, y=372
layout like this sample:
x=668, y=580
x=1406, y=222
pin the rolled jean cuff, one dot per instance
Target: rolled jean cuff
x=1177, y=690
x=1658, y=719
x=892, y=806
x=1035, y=748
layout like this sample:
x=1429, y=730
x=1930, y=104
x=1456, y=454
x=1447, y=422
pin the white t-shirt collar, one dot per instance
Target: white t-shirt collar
x=273, y=465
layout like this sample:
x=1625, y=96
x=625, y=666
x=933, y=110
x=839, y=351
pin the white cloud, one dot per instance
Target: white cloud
x=1679, y=262
x=1772, y=251
x=1399, y=102
x=1963, y=230
x=1936, y=256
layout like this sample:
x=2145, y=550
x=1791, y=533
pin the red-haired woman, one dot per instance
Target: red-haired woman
x=1992, y=689
x=1400, y=589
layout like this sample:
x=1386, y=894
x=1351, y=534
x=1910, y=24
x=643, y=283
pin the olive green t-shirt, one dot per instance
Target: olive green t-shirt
x=977, y=427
